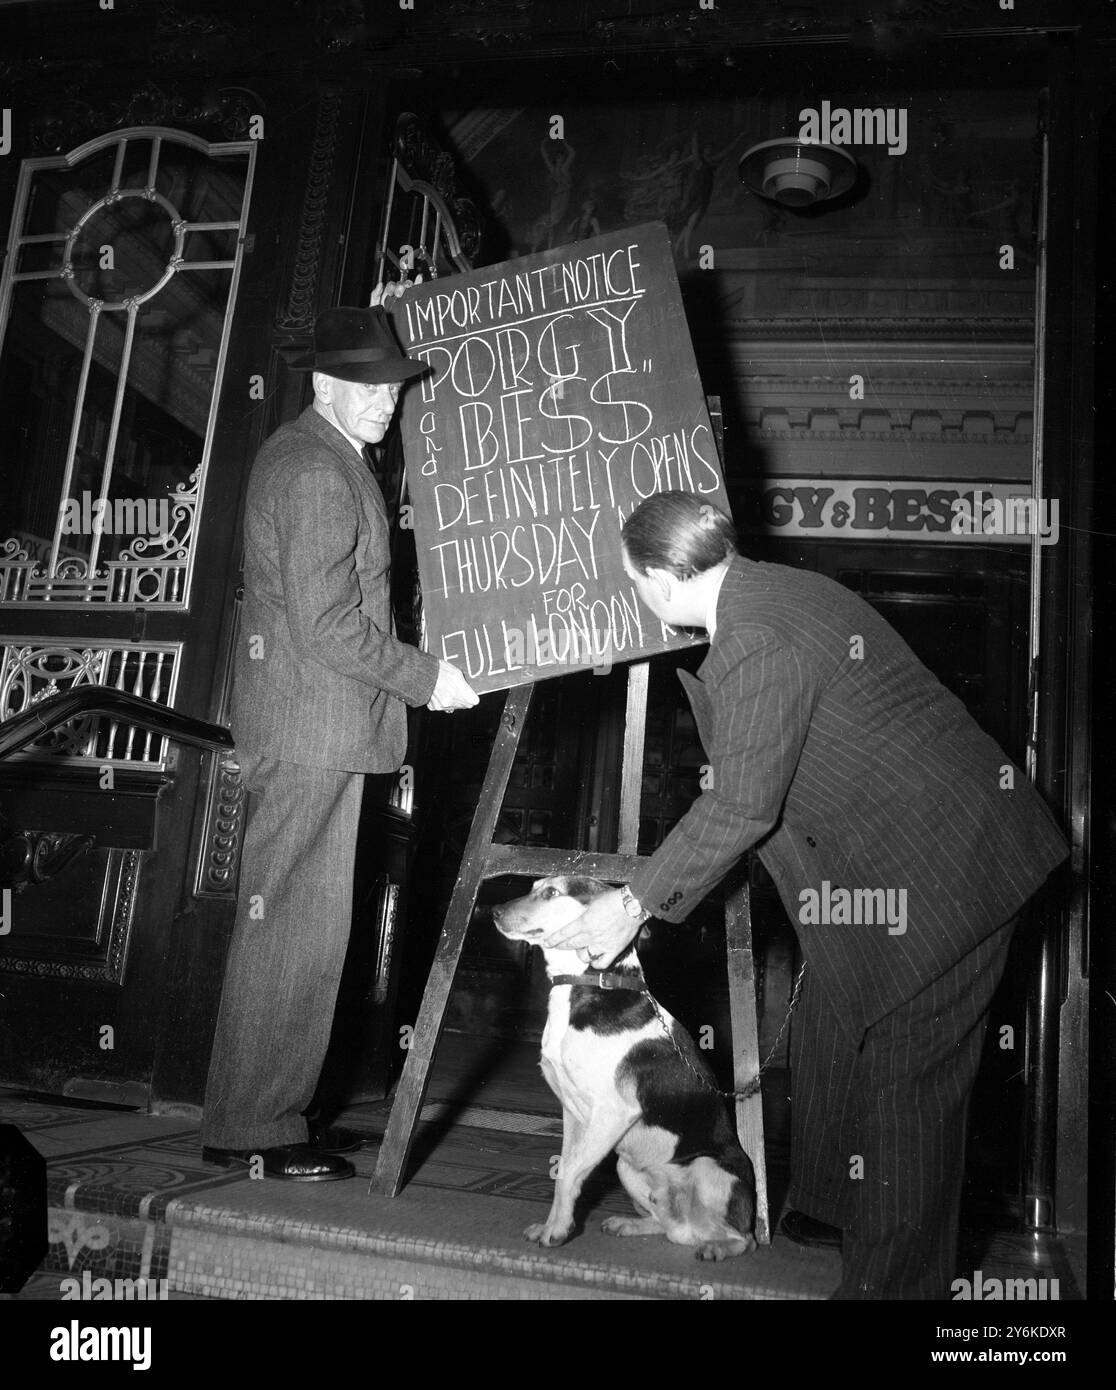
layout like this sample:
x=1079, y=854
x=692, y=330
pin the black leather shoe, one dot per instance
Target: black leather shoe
x=332, y=1139
x=807, y=1230
x=289, y=1162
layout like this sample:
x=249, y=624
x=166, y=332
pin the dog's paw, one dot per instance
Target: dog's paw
x=541, y=1233
x=724, y=1249
x=624, y=1226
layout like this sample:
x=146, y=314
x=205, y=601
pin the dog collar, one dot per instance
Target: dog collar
x=603, y=979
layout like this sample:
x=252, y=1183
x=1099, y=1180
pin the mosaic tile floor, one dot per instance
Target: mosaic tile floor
x=130, y=1198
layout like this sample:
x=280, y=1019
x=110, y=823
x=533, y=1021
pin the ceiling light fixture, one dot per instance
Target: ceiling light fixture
x=797, y=173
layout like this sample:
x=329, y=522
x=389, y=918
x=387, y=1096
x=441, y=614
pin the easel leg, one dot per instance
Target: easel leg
x=409, y=1094
x=745, y=1045
x=631, y=768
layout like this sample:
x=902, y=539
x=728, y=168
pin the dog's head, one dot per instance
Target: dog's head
x=552, y=903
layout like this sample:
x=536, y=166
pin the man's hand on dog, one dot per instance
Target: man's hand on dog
x=599, y=935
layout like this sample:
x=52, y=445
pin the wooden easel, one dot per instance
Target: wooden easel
x=483, y=860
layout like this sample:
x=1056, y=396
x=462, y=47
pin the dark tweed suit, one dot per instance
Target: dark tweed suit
x=846, y=762
x=320, y=684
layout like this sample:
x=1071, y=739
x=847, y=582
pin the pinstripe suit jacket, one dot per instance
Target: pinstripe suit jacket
x=863, y=773
x=327, y=685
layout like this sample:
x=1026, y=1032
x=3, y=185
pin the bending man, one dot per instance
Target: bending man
x=903, y=844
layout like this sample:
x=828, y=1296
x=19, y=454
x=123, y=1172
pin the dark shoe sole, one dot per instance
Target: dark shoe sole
x=311, y=1177
x=815, y=1235
x=227, y=1161
x=350, y=1148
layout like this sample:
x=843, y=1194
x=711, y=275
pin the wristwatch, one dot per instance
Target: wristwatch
x=631, y=905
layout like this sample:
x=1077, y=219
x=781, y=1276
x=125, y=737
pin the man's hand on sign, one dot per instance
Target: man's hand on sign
x=600, y=934
x=391, y=289
x=451, y=690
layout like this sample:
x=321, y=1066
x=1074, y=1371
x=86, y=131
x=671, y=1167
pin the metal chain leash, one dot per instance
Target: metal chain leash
x=753, y=1086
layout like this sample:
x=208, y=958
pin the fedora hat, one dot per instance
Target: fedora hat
x=357, y=345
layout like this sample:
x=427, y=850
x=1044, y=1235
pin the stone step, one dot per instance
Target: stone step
x=130, y=1198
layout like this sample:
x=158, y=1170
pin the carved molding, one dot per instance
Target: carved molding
x=302, y=299
x=1009, y=328
x=834, y=374
x=388, y=919
x=223, y=830
x=426, y=161
x=808, y=413
x=692, y=35
x=21, y=954
x=845, y=433
x=61, y=125
x=921, y=384
x=34, y=856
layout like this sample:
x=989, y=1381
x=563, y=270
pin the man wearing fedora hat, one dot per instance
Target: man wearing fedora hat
x=320, y=686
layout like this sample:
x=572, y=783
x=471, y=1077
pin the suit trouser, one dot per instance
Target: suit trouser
x=898, y=1101
x=293, y=918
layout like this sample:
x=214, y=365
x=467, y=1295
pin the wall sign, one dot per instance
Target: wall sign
x=563, y=392
x=874, y=509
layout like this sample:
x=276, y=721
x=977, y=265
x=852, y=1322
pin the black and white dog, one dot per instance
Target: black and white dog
x=630, y=1078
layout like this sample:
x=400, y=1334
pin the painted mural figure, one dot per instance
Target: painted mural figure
x=680, y=189
x=702, y=164
x=654, y=195
x=585, y=224
x=558, y=167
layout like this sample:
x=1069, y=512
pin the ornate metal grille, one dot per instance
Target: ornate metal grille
x=436, y=229
x=32, y=669
x=115, y=309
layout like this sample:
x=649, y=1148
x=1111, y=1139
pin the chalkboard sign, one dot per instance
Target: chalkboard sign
x=562, y=392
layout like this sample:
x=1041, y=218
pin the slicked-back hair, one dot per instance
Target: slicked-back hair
x=679, y=533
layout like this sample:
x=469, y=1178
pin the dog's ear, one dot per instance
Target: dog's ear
x=586, y=889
